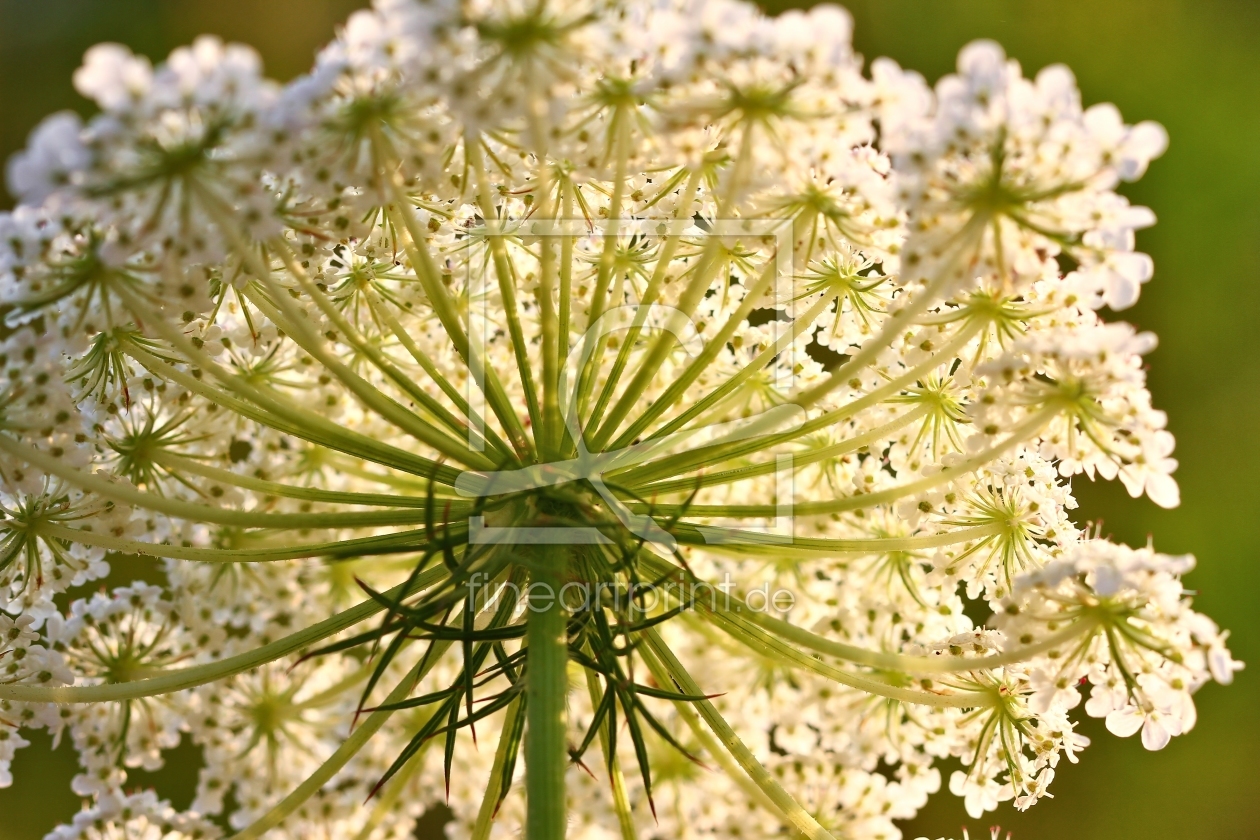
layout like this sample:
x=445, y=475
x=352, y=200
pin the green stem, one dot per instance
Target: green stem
x=179, y=463
x=716, y=344
x=507, y=282
x=903, y=317
x=1020, y=434
x=621, y=800
x=382, y=362
x=201, y=674
x=598, y=304
x=423, y=263
x=546, y=689
x=129, y=494
x=348, y=749
x=743, y=542
x=494, y=789
x=710, y=455
x=799, y=460
x=276, y=412
x=285, y=315
x=761, y=777
x=918, y=664
x=398, y=542
x=711, y=745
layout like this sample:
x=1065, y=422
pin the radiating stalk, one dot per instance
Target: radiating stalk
x=494, y=789
x=799, y=817
x=195, y=512
x=184, y=678
x=414, y=540
x=546, y=688
x=272, y=409
x=1019, y=434
x=621, y=801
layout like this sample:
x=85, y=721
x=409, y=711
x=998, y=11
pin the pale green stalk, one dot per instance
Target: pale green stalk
x=741, y=542
x=422, y=262
x=415, y=540
x=797, y=816
x=294, y=419
x=1018, y=435
x=374, y=354
x=617, y=781
x=716, y=344
x=800, y=459
x=285, y=315
x=383, y=311
x=713, y=747
x=347, y=750
x=191, y=466
x=682, y=213
x=919, y=664
x=494, y=790
x=196, y=675
x=131, y=495
x=503, y=270
x=717, y=453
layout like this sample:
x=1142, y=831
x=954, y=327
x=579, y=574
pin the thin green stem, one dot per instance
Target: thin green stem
x=714, y=454
x=375, y=355
x=799, y=459
x=494, y=790
x=179, y=463
x=422, y=262
x=714, y=346
x=711, y=745
x=341, y=756
x=507, y=282
x=741, y=542
x=285, y=315
x=402, y=541
x=383, y=311
x=131, y=495
x=598, y=304
x=191, y=677
x=674, y=670
x=304, y=424
x=621, y=800
x=1020, y=434
x=919, y=664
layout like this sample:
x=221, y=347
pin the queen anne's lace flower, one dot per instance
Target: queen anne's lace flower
x=597, y=416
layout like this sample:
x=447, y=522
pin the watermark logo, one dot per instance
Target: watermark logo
x=577, y=596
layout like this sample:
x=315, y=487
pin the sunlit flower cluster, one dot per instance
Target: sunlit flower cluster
x=603, y=418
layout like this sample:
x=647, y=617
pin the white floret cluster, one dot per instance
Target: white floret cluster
x=779, y=369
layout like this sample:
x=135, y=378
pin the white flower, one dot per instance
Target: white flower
x=663, y=304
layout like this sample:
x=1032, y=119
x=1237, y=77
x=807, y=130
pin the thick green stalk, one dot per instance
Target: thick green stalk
x=546, y=687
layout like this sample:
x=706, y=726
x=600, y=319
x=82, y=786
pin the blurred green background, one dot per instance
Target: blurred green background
x=1193, y=65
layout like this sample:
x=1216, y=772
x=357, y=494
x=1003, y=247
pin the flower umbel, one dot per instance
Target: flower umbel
x=599, y=417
